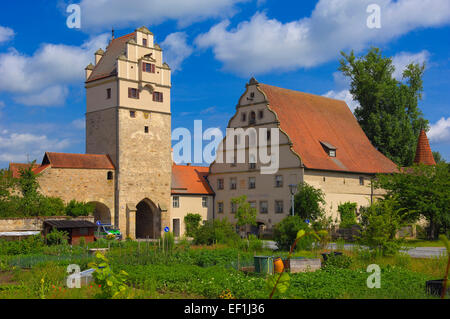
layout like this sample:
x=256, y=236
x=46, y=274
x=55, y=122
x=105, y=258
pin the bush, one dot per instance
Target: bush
x=308, y=202
x=337, y=261
x=28, y=245
x=50, y=206
x=56, y=237
x=76, y=209
x=347, y=212
x=192, y=223
x=285, y=233
x=216, y=231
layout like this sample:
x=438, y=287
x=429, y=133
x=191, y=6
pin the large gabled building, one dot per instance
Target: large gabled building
x=320, y=143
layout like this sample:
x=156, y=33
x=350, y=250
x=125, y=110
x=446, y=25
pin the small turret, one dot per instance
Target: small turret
x=423, y=151
x=98, y=55
x=88, y=70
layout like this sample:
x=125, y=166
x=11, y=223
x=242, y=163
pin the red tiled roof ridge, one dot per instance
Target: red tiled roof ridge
x=78, y=160
x=424, y=154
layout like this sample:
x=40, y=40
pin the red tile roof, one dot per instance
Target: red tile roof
x=107, y=65
x=310, y=119
x=187, y=179
x=423, y=151
x=67, y=160
x=15, y=168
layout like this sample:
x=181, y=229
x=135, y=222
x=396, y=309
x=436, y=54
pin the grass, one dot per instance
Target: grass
x=423, y=243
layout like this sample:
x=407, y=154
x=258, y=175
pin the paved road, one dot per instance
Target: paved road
x=417, y=252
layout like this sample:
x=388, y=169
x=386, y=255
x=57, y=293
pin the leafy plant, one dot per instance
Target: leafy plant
x=56, y=237
x=347, y=212
x=192, y=223
x=216, y=231
x=309, y=202
x=112, y=285
x=337, y=261
x=76, y=209
x=285, y=233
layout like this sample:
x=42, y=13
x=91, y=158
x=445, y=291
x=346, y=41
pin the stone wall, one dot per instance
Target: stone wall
x=32, y=223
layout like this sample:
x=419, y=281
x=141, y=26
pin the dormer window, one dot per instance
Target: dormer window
x=329, y=148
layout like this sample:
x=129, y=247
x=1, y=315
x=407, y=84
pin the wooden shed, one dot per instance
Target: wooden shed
x=75, y=228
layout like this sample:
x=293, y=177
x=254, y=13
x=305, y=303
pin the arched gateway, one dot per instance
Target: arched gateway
x=148, y=220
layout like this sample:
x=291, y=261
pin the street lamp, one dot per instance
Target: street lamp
x=293, y=190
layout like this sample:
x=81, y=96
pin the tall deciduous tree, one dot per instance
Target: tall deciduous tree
x=388, y=111
x=245, y=213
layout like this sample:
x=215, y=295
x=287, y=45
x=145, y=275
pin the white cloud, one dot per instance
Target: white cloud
x=402, y=59
x=262, y=44
x=440, y=131
x=6, y=34
x=176, y=49
x=79, y=124
x=52, y=96
x=20, y=147
x=101, y=14
x=344, y=95
x=50, y=69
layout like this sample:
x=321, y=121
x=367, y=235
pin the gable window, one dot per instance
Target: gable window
x=144, y=42
x=109, y=175
x=132, y=114
x=263, y=207
x=279, y=207
x=251, y=182
x=157, y=96
x=220, y=207
x=220, y=183
x=148, y=67
x=176, y=201
x=233, y=183
x=108, y=93
x=260, y=114
x=279, y=181
x=252, y=119
x=133, y=93
x=244, y=117
x=204, y=201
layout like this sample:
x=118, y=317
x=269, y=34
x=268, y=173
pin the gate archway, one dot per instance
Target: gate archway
x=148, y=220
x=102, y=213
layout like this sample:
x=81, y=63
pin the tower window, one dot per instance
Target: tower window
x=146, y=129
x=144, y=42
x=133, y=93
x=157, y=96
x=108, y=93
x=132, y=114
x=148, y=67
x=109, y=175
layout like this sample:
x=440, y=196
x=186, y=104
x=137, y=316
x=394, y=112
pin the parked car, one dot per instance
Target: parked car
x=107, y=230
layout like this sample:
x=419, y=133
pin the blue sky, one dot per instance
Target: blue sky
x=213, y=47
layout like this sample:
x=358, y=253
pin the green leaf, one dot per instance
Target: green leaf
x=300, y=233
x=283, y=283
x=109, y=283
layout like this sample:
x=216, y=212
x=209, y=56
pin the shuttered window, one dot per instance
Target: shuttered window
x=133, y=93
x=148, y=67
x=157, y=96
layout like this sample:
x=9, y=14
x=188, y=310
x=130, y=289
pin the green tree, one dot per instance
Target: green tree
x=75, y=209
x=423, y=189
x=388, y=111
x=347, y=212
x=309, y=202
x=192, y=223
x=438, y=157
x=285, y=233
x=245, y=213
x=6, y=183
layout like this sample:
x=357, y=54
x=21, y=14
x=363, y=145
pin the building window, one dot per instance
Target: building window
x=268, y=134
x=252, y=95
x=145, y=129
x=251, y=182
x=244, y=117
x=279, y=181
x=109, y=175
x=148, y=67
x=261, y=114
x=361, y=180
x=220, y=183
x=233, y=207
x=132, y=114
x=108, y=93
x=220, y=207
x=176, y=201
x=157, y=96
x=233, y=183
x=144, y=42
x=332, y=153
x=279, y=207
x=252, y=204
x=263, y=207
x=252, y=166
x=204, y=201
x=252, y=119
x=133, y=93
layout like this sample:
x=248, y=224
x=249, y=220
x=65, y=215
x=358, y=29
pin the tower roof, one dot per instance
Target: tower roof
x=423, y=151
